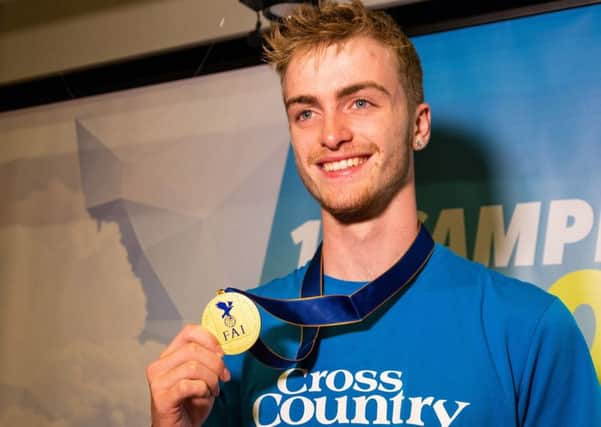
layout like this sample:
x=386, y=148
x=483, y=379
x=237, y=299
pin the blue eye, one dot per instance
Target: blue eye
x=361, y=103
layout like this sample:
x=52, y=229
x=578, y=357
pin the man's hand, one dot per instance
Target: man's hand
x=184, y=381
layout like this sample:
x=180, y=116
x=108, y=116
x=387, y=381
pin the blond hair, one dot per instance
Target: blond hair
x=329, y=23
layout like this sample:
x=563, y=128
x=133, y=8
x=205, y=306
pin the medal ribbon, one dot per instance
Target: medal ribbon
x=314, y=310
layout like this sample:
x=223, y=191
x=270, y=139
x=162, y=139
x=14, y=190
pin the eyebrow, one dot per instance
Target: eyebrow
x=301, y=99
x=354, y=88
x=345, y=91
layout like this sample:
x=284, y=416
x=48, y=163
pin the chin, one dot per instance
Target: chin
x=355, y=210
x=352, y=216
x=351, y=208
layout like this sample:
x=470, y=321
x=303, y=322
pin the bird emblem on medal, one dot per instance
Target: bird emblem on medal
x=226, y=307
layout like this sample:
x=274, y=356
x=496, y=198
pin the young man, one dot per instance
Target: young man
x=460, y=345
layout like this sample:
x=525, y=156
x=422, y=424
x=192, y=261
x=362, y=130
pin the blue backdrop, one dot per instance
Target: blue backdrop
x=510, y=177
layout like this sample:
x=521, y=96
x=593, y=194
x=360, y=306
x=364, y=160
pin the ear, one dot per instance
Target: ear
x=421, y=127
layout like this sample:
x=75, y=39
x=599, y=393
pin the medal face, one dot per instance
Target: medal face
x=234, y=320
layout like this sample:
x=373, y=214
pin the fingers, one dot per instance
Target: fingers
x=192, y=351
x=191, y=370
x=192, y=344
x=187, y=373
x=193, y=333
x=190, y=399
x=196, y=389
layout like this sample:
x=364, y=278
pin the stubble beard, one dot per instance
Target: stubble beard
x=362, y=201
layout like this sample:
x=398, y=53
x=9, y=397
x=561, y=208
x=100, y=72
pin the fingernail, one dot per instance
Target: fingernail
x=226, y=374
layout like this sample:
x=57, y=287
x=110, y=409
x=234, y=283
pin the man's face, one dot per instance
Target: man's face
x=350, y=126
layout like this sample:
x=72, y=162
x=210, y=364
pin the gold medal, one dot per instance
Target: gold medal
x=234, y=320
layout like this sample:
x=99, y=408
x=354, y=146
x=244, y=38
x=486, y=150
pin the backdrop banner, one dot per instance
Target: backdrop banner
x=120, y=215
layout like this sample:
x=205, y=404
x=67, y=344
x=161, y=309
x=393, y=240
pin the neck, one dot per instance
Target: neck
x=362, y=251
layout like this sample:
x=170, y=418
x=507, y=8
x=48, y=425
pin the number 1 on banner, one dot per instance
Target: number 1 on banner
x=307, y=235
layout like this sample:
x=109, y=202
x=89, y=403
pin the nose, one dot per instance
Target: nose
x=335, y=131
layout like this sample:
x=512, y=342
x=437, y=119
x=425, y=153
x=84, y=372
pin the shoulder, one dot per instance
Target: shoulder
x=287, y=286
x=509, y=310
x=496, y=292
x=530, y=335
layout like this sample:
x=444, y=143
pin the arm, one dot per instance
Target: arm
x=558, y=385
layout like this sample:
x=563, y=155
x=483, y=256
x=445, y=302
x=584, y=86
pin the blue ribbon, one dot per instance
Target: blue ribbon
x=314, y=310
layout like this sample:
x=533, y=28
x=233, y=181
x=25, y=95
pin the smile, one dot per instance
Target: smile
x=343, y=164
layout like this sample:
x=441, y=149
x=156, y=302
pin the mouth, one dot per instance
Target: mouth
x=343, y=164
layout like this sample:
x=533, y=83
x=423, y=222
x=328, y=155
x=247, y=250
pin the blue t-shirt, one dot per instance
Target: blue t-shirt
x=462, y=346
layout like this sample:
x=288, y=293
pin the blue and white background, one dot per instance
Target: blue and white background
x=121, y=214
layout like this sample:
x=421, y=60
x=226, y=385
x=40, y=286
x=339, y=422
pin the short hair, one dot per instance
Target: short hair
x=316, y=27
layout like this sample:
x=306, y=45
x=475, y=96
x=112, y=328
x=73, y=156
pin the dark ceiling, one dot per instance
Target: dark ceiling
x=417, y=18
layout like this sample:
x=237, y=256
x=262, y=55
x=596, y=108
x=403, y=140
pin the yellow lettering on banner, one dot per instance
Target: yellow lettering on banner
x=583, y=287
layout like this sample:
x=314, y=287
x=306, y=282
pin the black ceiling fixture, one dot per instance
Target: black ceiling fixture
x=275, y=10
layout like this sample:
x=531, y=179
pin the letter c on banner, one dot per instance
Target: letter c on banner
x=583, y=287
x=283, y=381
x=257, y=410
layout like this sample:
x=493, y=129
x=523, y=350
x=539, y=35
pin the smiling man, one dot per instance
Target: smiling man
x=396, y=330
x=353, y=127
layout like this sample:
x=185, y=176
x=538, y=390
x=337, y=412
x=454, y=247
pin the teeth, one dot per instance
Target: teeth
x=343, y=164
